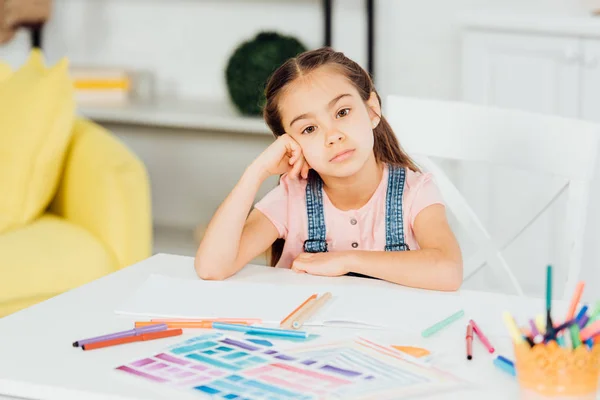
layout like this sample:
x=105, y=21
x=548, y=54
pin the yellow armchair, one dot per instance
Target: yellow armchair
x=98, y=222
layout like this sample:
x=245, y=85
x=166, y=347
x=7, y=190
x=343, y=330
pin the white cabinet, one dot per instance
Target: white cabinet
x=590, y=82
x=522, y=71
x=546, y=65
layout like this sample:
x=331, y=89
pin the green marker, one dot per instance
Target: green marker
x=595, y=315
x=575, y=339
x=442, y=324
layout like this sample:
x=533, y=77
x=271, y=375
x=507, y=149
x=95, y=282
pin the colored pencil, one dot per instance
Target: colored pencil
x=575, y=300
x=310, y=310
x=287, y=321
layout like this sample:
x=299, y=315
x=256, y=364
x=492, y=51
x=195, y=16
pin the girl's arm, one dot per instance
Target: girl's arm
x=436, y=265
x=231, y=240
x=233, y=237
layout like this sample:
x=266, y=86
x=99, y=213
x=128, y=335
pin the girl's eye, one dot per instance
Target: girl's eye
x=308, y=129
x=343, y=112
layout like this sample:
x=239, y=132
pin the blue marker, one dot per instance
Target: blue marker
x=257, y=330
x=506, y=360
x=581, y=313
x=505, y=365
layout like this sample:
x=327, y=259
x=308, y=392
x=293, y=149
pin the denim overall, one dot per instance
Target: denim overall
x=394, y=222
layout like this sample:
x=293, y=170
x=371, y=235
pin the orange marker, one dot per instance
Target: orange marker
x=184, y=324
x=131, y=339
x=413, y=351
x=575, y=301
x=287, y=320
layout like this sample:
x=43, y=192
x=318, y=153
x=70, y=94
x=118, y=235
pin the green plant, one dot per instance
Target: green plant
x=252, y=63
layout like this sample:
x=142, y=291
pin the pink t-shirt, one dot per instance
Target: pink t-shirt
x=285, y=207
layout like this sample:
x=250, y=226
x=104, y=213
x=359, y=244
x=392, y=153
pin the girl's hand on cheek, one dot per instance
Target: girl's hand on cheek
x=284, y=155
x=299, y=166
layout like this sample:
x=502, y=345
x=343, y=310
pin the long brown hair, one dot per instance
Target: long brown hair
x=386, y=146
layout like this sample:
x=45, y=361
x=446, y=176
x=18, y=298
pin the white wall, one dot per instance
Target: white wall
x=186, y=43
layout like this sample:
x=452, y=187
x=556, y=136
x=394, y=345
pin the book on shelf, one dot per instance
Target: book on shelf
x=101, y=85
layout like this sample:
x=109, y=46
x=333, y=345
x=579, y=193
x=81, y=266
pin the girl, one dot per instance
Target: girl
x=350, y=201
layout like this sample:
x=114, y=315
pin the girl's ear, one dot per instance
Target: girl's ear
x=374, y=109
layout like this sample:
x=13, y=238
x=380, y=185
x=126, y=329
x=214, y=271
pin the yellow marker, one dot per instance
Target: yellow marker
x=540, y=323
x=515, y=332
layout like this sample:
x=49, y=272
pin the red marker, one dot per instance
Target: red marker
x=469, y=342
x=484, y=340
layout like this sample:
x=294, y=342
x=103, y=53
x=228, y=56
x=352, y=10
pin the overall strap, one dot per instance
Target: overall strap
x=394, y=218
x=316, y=216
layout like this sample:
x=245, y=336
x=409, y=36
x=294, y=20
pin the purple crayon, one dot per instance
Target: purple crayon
x=116, y=335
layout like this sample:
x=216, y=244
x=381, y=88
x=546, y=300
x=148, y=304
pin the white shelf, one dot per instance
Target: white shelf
x=187, y=114
x=579, y=25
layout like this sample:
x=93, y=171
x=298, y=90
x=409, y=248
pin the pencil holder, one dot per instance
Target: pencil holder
x=548, y=371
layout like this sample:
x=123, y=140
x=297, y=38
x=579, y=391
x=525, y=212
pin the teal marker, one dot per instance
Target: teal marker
x=549, y=326
x=505, y=365
x=257, y=330
x=442, y=324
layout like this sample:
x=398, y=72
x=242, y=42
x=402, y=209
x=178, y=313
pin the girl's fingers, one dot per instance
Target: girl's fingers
x=294, y=158
x=305, y=169
x=294, y=148
x=293, y=155
x=297, y=169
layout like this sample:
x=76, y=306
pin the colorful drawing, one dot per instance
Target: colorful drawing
x=233, y=368
x=388, y=371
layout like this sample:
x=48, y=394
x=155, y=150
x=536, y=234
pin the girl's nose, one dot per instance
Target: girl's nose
x=334, y=137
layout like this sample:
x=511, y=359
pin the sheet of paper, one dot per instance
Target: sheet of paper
x=385, y=307
x=166, y=297
x=392, y=307
x=412, y=311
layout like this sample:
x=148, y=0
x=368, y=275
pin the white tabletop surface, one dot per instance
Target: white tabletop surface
x=37, y=360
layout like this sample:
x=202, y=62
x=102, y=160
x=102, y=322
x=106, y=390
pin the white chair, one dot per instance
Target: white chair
x=511, y=138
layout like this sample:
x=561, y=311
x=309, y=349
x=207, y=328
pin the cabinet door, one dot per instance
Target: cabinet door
x=531, y=73
x=527, y=72
x=590, y=110
x=590, y=83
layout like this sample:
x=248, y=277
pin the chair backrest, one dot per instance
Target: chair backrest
x=511, y=138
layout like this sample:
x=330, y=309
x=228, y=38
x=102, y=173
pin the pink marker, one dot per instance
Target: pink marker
x=481, y=336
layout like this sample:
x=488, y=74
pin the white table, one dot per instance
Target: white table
x=37, y=360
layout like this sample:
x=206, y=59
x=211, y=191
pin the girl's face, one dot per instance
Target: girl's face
x=325, y=114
